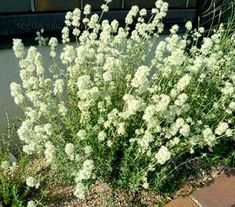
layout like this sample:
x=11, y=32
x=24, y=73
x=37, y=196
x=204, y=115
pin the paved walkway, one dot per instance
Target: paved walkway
x=218, y=193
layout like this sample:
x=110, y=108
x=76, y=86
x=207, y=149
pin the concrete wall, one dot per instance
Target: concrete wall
x=9, y=72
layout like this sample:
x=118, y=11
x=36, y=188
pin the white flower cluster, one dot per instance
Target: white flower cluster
x=209, y=136
x=32, y=182
x=53, y=43
x=49, y=151
x=163, y=155
x=222, y=128
x=17, y=93
x=31, y=204
x=108, y=102
x=84, y=174
x=132, y=13
x=133, y=105
x=18, y=48
x=70, y=150
x=141, y=77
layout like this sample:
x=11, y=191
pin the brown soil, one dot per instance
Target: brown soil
x=101, y=195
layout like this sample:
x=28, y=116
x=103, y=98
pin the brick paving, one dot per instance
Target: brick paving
x=182, y=202
x=218, y=193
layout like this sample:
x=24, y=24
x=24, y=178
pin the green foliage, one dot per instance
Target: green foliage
x=13, y=190
x=13, y=169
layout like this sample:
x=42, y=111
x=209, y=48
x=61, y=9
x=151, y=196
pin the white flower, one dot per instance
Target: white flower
x=31, y=204
x=79, y=191
x=132, y=13
x=49, y=151
x=143, y=12
x=208, y=136
x=121, y=129
x=58, y=86
x=87, y=9
x=182, y=98
x=62, y=109
x=17, y=93
x=53, y=42
x=107, y=76
x=232, y=105
x=189, y=25
x=206, y=46
x=163, y=155
x=183, y=82
x=109, y=143
x=174, y=29
x=222, y=128
x=68, y=55
x=148, y=113
x=228, y=89
x=102, y=136
x=88, y=165
x=32, y=182
x=76, y=32
x=69, y=15
x=133, y=105
x=81, y=134
x=114, y=25
x=70, y=150
x=185, y=129
x=5, y=166
x=18, y=48
x=93, y=21
x=104, y=7
x=140, y=80
x=84, y=82
x=29, y=148
x=145, y=141
x=174, y=141
x=201, y=30
x=177, y=57
x=65, y=35
x=176, y=126
x=145, y=185
x=86, y=172
x=25, y=131
x=87, y=150
x=76, y=14
x=162, y=102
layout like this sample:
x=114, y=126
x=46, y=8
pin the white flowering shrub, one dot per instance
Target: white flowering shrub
x=108, y=113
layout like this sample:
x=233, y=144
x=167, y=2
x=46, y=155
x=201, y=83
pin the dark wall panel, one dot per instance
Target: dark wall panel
x=95, y=4
x=150, y=3
x=15, y=6
x=56, y=5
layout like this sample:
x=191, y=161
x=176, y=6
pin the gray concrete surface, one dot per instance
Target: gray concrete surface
x=9, y=72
